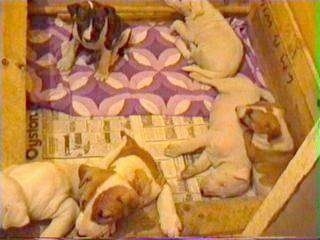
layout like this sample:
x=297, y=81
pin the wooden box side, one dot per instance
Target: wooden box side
x=135, y=10
x=306, y=22
x=13, y=92
x=290, y=208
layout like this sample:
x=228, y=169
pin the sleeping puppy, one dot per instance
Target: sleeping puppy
x=214, y=46
x=97, y=28
x=44, y=190
x=52, y=190
x=268, y=142
x=132, y=181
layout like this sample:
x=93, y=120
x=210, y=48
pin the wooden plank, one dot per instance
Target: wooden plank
x=1, y=97
x=297, y=169
x=133, y=3
x=304, y=200
x=13, y=120
x=207, y=219
x=306, y=22
x=289, y=72
x=212, y=218
x=223, y=217
x=138, y=11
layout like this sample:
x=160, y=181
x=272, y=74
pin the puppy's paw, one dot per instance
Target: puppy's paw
x=65, y=64
x=175, y=25
x=101, y=76
x=182, y=47
x=172, y=226
x=172, y=150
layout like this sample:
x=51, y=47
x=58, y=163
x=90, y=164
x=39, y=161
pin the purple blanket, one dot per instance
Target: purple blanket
x=148, y=80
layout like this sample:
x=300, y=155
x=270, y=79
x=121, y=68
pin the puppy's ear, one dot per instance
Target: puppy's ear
x=73, y=9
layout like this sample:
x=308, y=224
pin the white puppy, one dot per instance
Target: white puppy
x=48, y=190
x=214, y=46
x=224, y=144
x=43, y=190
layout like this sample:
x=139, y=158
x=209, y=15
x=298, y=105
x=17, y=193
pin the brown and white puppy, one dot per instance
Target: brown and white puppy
x=132, y=181
x=107, y=190
x=98, y=28
x=268, y=143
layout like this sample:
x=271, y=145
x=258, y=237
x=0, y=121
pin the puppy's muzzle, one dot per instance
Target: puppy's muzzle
x=87, y=34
